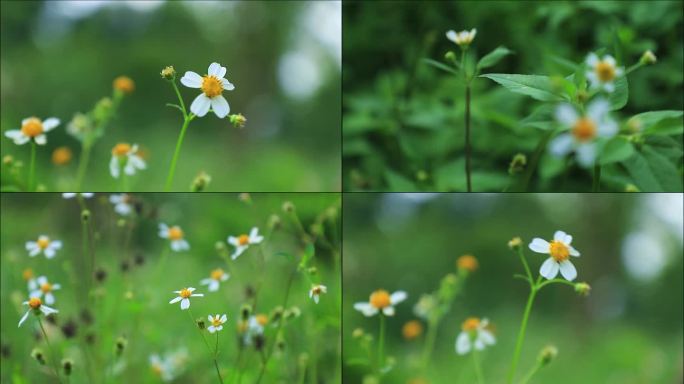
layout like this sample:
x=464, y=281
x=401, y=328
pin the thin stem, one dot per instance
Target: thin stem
x=521, y=334
x=524, y=262
x=47, y=340
x=535, y=159
x=596, y=185
x=176, y=153
x=32, y=168
x=381, y=345
x=531, y=373
x=633, y=68
x=180, y=99
x=82, y=165
x=124, y=179
x=478, y=369
x=430, y=339
x=218, y=372
x=467, y=138
x=562, y=281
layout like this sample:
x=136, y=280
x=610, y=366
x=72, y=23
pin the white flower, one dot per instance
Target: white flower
x=123, y=154
x=27, y=274
x=253, y=327
x=560, y=250
x=122, y=204
x=603, y=72
x=212, y=86
x=35, y=304
x=242, y=242
x=71, y=195
x=45, y=288
x=216, y=323
x=32, y=128
x=316, y=290
x=184, y=297
x=215, y=279
x=175, y=234
x=474, y=335
x=45, y=245
x=583, y=131
x=161, y=367
x=381, y=300
x=463, y=38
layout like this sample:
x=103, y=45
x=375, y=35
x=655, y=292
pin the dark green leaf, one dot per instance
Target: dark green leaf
x=538, y=87
x=441, y=66
x=615, y=150
x=399, y=183
x=658, y=122
x=653, y=172
x=618, y=98
x=493, y=57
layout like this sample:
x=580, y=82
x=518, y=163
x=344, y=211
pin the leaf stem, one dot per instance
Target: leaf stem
x=32, y=167
x=531, y=373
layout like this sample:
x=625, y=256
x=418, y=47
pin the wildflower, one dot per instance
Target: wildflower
x=32, y=128
x=36, y=305
x=463, y=38
x=45, y=245
x=168, y=73
x=648, y=58
x=583, y=131
x=175, y=235
x=216, y=323
x=161, y=368
x=252, y=328
x=381, y=300
x=28, y=275
x=71, y=195
x=184, y=297
x=242, y=242
x=316, y=290
x=238, y=120
x=124, y=84
x=583, y=289
x=560, y=250
x=212, y=86
x=45, y=288
x=515, y=243
x=467, y=263
x=125, y=156
x=412, y=329
x=425, y=305
x=201, y=182
x=517, y=164
x=61, y=156
x=474, y=334
x=603, y=72
x=123, y=203
x=215, y=278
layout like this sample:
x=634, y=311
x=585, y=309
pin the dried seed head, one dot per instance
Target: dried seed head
x=200, y=323
x=69, y=329
x=245, y=311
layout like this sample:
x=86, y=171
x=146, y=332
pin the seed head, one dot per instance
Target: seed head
x=200, y=323
x=201, y=182
x=38, y=355
x=245, y=311
x=67, y=364
x=288, y=207
x=69, y=329
x=515, y=243
x=238, y=120
x=168, y=73
x=518, y=164
x=274, y=222
x=121, y=343
x=547, y=354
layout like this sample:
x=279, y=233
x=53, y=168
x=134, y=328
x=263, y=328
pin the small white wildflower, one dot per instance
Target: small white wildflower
x=381, y=300
x=184, y=297
x=242, y=242
x=474, y=334
x=175, y=235
x=43, y=245
x=212, y=85
x=32, y=128
x=560, y=250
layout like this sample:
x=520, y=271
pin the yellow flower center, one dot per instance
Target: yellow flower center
x=32, y=127
x=467, y=262
x=317, y=290
x=35, y=303
x=212, y=86
x=124, y=84
x=558, y=250
x=43, y=242
x=27, y=273
x=242, y=326
x=61, y=156
x=175, y=233
x=121, y=149
x=47, y=287
x=243, y=240
x=470, y=324
x=605, y=71
x=261, y=319
x=217, y=274
x=380, y=299
x=216, y=322
x=412, y=329
x=584, y=129
x=185, y=293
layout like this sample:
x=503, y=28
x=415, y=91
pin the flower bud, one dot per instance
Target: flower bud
x=124, y=84
x=648, y=58
x=450, y=56
x=85, y=215
x=201, y=182
x=238, y=120
x=582, y=288
x=245, y=197
x=7, y=160
x=245, y=311
x=67, y=364
x=100, y=274
x=422, y=175
x=632, y=188
x=168, y=73
x=515, y=243
x=292, y=313
x=200, y=323
x=277, y=314
x=121, y=343
x=518, y=164
x=38, y=355
x=467, y=263
x=358, y=332
x=288, y=207
x=274, y=222
x=103, y=109
x=547, y=354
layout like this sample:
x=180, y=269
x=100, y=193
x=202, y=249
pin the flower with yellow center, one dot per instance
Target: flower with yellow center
x=125, y=156
x=316, y=291
x=123, y=203
x=560, y=251
x=242, y=242
x=61, y=156
x=30, y=278
x=44, y=287
x=584, y=131
x=475, y=333
x=32, y=128
x=175, y=235
x=216, y=323
x=44, y=245
x=381, y=301
x=602, y=72
x=184, y=296
x=71, y=195
x=463, y=38
x=37, y=306
x=212, y=85
x=124, y=84
x=412, y=329
x=467, y=263
x=215, y=278
x=161, y=368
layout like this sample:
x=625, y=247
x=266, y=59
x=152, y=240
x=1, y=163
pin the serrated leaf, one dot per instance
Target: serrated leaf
x=618, y=98
x=538, y=87
x=493, y=57
x=441, y=66
x=615, y=150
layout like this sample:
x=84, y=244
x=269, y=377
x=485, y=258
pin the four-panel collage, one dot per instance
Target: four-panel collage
x=328, y=192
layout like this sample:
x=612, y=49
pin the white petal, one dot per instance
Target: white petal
x=238, y=251
x=14, y=134
x=560, y=236
x=36, y=293
x=607, y=128
x=609, y=60
x=49, y=253
x=49, y=298
x=566, y=114
x=586, y=154
x=592, y=60
x=191, y=289
x=206, y=281
x=215, y=70
x=561, y=145
x=539, y=245
x=163, y=231
x=23, y=318
x=598, y=109
x=609, y=87
x=41, y=139
x=366, y=309
x=114, y=167
x=220, y=106
x=56, y=287
x=191, y=80
x=388, y=311
x=463, y=343
x=486, y=337
x=233, y=241
x=574, y=252
x=397, y=297
x=56, y=244
x=213, y=286
x=479, y=344
x=176, y=246
x=316, y=298
x=200, y=106
x=224, y=318
x=50, y=124
x=211, y=329
x=227, y=85
x=185, y=303
x=21, y=140
x=42, y=280
x=451, y=35
x=549, y=268
x=568, y=270
x=136, y=161
x=175, y=300
x=47, y=310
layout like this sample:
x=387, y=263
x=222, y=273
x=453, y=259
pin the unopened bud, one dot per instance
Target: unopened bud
x=274, y=222
x=288, y=207
x=121, y=343
x=201, y=182
x=245, y=311
x=67, y=364
x=517, y=164
x=547, y=354
x=582, y=288
x=277, y=314
x=292, y=313
x=450, y=56
x=85, y=215
x=515, y=243
x=38, y=355
x=238, y=120
x=358, y=332
x=648, y=58
x=7, y=160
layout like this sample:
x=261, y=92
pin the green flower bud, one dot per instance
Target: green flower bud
x=648, y=58
x=67, y=365
x=168, y=73
x=238, y=120
x=515, y=243
x=547, y=354
x=582, y=288
x=518, y=164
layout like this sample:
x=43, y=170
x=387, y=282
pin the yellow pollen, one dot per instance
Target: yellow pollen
x=175, y=233
x=216, y=322
x=27, y=273
x=584, y=129
x=605, y=71
x=35, y=303
x=212, y=86
x=261, y=319
x=216, y=274
x=316, y=290
x=243, y=240
x=559, y=251
x=121, y=149
x=470, y=324
x=185, y=293
x=43, y=242
x=32, y=127
x=380, y=299
x=47, y=287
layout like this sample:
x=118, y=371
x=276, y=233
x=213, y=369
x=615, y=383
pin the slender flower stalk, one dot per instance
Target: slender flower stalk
x=468, y=149
x=478, y=368
x=32, y=168
x=47, y=341
x=214, y=353
x=381, y=346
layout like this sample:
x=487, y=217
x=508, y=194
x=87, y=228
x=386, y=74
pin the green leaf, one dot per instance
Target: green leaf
x=538, y=87
x=615, y=150
x=493, y=57
x=618, y=98
x=309, y=252
x=442, y=66
x=399, y=183
x=653, y=172
x=658, y=122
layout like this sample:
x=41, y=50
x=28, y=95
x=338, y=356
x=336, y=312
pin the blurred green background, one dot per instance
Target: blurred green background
x=403, y=120
x=628, y=330
x=133, y=299
x=60, y=57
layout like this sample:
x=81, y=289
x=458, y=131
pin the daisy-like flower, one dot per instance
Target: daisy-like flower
x=44, y=287
x=215, y=278
x=212, y=85
x=184, y=297
x=242, y=242
x=381, y=300
x=43, y=245
x=32, y=128
x=36, y=305
x=71, y=195
x=584, y=130
x=123, y=154
x=474, y=334
x=560, y=250
x=254, y=326
x=175, y=235
x=123, y=204
x=603, y=72
x=316, y=291
x=463, y=38
x=216, y=322
x=30, y=278
x=161, y=367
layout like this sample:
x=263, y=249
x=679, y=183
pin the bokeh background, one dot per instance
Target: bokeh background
x=133, y=299
x=60, y=57
x=628, y=330
x=402, y=119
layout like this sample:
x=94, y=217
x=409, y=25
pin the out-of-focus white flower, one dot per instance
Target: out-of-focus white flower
x=463, y=38
x=175, y=235
x=316, y=291
x=212, y=85
x=30, y=278
x=44, y=287
x=216, y=323
x=161, y=367
x=381, y=300
x=560, y=250
x=32, y=128
x=242, y=242
x=184, y=297
x=122, y=203
x=44, y=245
x=36, y=305
x=603, y=72
x=71, y=195
x=123, y=154
x=474, y=334
x=215, y=278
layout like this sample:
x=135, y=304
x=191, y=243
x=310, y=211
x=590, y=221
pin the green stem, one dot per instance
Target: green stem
x=180, y=99
x=32, y=168
x=531, y=373
x=535, y=159
x=562, y=281
x=172, y=169
x=430, y=339
x=381, y=346
x=468, y=149
x=633, y=68
x=524, y=262
x=218, y=372
x=478, y=369
x=521, y=334
x=47, y=340
x=596, y=185
x=82, y=165
x=124, y=178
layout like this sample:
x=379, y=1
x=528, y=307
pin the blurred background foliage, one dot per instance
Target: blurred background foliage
x=60, y=57
x=402, y=119
x=132, y=301
x=628, y=330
